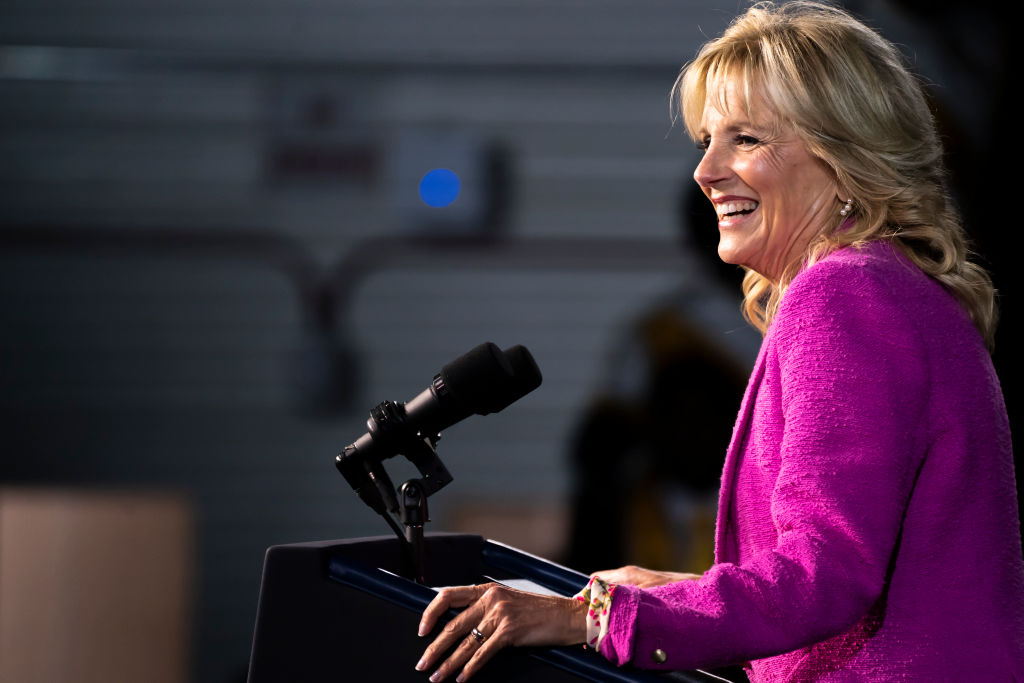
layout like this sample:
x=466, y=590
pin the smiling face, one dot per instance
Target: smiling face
x=772, y=197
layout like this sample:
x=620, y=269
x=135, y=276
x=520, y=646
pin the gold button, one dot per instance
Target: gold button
x=659, y=656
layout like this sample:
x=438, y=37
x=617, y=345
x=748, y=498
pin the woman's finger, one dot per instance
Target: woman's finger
x=467, y=650
x=488, y=648
x=457, y=627
x=642, y=578
x=445, y=599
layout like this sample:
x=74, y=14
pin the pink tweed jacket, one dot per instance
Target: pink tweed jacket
x=867, y=523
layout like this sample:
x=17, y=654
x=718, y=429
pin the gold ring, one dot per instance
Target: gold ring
x=480, y=637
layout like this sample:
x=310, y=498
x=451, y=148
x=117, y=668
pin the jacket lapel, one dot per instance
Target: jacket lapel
x=735, y=452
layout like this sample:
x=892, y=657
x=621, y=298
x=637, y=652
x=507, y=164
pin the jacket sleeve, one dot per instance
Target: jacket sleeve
x=852, y=380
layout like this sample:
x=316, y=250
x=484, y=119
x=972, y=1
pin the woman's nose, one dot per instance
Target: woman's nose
x=712, y=167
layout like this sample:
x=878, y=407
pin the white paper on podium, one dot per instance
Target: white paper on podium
x=525, y=585
x=518, y=584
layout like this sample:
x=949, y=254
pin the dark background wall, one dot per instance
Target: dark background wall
x=213, y=261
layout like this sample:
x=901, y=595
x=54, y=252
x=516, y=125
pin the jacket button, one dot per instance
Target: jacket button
x=659, y=656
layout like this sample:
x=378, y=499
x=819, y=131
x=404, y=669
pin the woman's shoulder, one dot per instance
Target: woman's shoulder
x=877, y=271
x=873, y=262
x=870, y=287
x=873, y=286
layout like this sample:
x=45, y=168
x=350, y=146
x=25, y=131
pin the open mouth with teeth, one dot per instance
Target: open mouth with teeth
x=734, y=209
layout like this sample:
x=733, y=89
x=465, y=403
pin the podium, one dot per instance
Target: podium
x=342, y=611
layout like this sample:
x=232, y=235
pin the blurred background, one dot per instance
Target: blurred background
x=215, y=259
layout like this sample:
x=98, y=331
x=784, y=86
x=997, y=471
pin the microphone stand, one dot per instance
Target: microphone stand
x=409, y=502
x=413, y=514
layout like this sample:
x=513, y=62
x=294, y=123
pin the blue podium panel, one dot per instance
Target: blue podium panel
x=343, y=611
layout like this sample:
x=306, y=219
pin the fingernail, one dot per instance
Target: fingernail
x=422, y=631
x=460, y=678
x=435, y=677
x=421, y=665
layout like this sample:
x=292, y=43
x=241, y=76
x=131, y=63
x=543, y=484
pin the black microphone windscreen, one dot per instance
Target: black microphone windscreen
x=478, y=381
x=525, y=378
x=526, y=374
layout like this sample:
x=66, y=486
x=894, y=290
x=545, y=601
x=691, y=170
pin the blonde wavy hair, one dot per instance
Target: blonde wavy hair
x=850, y=99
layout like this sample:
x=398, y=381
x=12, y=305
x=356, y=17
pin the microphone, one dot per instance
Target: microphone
x=526, y=374
x=482, y=381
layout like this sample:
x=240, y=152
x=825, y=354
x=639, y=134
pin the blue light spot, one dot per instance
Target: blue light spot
x=439, y=187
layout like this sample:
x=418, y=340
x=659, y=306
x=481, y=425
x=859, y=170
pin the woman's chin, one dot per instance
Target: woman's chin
x=729, y=255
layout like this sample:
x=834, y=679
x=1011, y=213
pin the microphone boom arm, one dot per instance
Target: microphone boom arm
x=366, y=474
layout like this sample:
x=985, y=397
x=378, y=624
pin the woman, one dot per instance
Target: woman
x=867, y=523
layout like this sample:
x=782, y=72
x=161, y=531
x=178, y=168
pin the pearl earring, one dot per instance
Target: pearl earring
x=847, y=207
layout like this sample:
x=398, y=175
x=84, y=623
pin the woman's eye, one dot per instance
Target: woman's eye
x=746, y=140
x=703, y=145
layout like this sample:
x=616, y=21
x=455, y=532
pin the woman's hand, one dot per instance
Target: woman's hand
x=642, y=578
x=502, y=617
